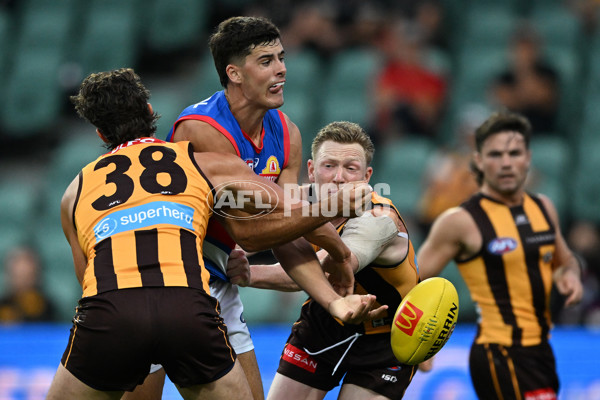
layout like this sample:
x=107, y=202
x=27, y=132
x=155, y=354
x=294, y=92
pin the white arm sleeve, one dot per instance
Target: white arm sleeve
x=367, y=236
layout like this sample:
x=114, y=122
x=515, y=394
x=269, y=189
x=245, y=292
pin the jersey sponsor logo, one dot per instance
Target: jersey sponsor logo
x=544, y=238
x=540, y=394
x=300, y=358
x=408, y=318
x=502, y=245
x=158, y=212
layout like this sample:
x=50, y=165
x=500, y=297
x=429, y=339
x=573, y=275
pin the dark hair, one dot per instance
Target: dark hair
x=344, y=132
x=116, y=102
x=504, y=121
x=235, y=38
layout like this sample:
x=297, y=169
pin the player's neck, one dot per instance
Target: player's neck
x=509, y=199
x=248, y=116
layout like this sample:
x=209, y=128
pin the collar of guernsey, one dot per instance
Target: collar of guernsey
x=266, y=160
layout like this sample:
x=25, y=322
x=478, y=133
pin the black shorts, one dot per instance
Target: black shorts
x=116, y=335
x=499, y=372
x=369, y=362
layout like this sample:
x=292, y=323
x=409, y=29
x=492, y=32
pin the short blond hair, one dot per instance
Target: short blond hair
x=344, y=132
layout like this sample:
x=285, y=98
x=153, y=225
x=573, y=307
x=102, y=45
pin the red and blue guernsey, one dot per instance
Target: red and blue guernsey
x=266, y=160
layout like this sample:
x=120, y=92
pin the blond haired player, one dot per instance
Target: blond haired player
x=322, y=352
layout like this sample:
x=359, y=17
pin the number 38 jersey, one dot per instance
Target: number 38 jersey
x=141, y=216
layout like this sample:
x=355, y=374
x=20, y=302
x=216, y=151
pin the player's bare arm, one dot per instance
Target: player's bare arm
x=230, y=173
x=390, y=252
x=271, y=276
x=454, y=234
x=298, y=260
x=567, y=272
x=66, y=216
x=203, y=136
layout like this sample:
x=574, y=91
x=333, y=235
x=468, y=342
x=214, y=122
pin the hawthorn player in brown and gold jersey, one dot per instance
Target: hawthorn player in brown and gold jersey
x=145, y=234
x=321, y=351
x=135, y=219
x=509, y=249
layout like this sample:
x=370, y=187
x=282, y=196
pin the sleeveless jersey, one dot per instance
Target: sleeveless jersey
x=388, y=282
x=510, y=278
x=141, y=214
x=266, y=160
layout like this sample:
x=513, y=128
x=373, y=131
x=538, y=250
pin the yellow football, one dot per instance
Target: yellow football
x=424, y=320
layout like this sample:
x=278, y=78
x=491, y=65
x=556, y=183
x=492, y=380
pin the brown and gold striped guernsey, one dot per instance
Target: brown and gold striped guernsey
x=389, y=282
x=510, y=278
x=141, y=215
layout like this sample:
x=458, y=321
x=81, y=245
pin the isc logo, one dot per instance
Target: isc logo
x=389, y=378
x=408, y=318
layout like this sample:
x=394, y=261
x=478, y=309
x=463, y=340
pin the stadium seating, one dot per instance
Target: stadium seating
x=568, y=64
x=557, y=25
x=401, y=165
x=475, y=72
x=551, y=161
x=206, y=79
x=39, y=50
x=168, y=100
x=346, y=88
x=7, y=34
x=176, y=25
x=302, y=94
x=18, y=212
x=111, y=36
x=34, y=92
x=488, y=25
x=65, y=163
x=586, y=188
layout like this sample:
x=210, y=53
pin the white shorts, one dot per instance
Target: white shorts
x=232, y=312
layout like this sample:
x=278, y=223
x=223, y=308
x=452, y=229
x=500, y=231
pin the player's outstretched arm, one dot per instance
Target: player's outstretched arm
x=567, y=271
x=443, y=242
x=66, y=216
x=257, y=213
x=301, y=263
